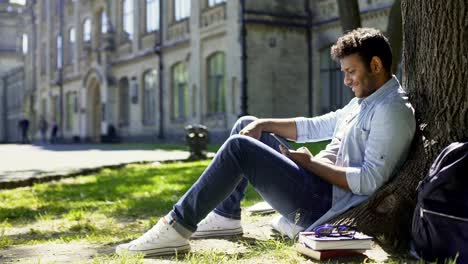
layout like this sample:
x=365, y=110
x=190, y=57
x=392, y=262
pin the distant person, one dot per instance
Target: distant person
x=53, y=133
x=24, y=127
x=43, y=126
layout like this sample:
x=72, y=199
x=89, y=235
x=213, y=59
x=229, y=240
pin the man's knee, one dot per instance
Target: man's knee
x=244, y=121
x=241, y=144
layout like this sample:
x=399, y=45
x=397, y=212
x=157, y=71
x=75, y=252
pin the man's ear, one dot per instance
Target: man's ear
x=376, y=65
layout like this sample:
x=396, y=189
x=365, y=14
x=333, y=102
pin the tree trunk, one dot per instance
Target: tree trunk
x=435, y=63
x=394, y=33
x=349, y=14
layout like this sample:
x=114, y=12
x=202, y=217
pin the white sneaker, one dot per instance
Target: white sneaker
x=161, y=239
x=216, y=225
x=285, y=227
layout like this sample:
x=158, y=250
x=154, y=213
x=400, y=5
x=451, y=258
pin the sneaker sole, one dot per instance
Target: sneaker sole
x=218, y=233
x=166, y=251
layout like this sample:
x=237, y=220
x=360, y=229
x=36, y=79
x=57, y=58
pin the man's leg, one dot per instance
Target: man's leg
x=230, y=207
x=292, y=191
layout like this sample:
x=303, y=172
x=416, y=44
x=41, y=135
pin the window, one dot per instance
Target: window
x=333, y=93
x=215, y=2
x=152, y=15
x=71, y=45
x=87, y=30
x=128, y=18
x=59, y=52
x=149, y=97
x=216, y=84
x=179, y=91
x=181, y=9
x=70, y=108
x=104, y=22
x=24, y=43
x=124, y=104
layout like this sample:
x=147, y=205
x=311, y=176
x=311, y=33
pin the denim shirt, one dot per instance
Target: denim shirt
x=371, y=138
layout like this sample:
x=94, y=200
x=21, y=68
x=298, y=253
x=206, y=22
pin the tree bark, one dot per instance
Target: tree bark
x=350, y=16
x=435, y=63
x=395, y=34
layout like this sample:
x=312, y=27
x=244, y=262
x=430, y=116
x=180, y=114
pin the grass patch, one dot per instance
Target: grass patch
x=111, y=206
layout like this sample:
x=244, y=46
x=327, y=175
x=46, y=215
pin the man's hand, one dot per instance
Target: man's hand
x=329, y=172
x=301, y=156
x=254, y=129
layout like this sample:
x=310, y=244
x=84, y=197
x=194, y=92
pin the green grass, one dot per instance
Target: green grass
x=108, y=207
x=93, y=207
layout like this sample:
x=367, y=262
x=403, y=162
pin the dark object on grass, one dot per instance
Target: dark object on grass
x=196, y=137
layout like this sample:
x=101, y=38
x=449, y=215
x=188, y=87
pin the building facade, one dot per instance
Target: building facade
x=13, y=43
x=147, y=68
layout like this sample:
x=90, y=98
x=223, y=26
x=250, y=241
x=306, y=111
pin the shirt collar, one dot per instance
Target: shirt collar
x=383, y=91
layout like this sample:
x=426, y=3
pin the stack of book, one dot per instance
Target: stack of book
x=326, y=247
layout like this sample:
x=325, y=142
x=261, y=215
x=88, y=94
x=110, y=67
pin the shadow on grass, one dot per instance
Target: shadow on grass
x=116, y=193
x=130, y=192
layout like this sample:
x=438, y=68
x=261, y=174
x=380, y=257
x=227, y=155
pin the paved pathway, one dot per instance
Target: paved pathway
x=22, y=164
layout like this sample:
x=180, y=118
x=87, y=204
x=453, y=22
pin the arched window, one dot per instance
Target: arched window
x=71, y=45
x=127, y=18
x=104, y=22
x=87, y=30
x=150, y=79
x=180, y=91
x=124, y=104
x=216, y=84
x=181, y=9
x=152, y=15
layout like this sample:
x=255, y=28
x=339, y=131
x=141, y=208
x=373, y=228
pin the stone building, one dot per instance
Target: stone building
x=147, y=68
x=12, y=88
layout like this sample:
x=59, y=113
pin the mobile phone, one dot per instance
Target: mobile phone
x=279, y=140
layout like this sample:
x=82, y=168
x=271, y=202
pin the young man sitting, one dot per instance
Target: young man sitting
x=371, y=137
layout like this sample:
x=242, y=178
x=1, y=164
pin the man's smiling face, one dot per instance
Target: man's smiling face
x=358, y=76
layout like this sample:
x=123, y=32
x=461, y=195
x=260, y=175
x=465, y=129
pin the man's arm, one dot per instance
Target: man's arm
x=390, y=136
x=282, y=127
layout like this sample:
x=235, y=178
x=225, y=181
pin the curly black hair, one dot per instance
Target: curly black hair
x=367, y=42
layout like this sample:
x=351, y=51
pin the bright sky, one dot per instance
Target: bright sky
x=20, y=2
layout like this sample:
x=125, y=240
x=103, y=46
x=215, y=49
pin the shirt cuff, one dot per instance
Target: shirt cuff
x=301, y=129
x=353, y=177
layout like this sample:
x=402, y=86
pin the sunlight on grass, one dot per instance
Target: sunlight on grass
x=124, y=259
x=111, y=206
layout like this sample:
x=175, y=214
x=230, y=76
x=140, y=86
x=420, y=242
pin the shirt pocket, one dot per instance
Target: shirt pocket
x=364, y=134
x=361, y=134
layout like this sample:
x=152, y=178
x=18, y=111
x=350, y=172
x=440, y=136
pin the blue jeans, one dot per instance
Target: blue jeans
x=295, y=193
